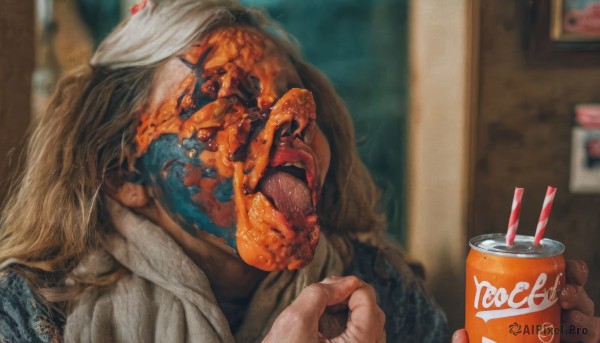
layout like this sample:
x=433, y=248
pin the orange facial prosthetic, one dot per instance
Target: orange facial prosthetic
x=255, y=128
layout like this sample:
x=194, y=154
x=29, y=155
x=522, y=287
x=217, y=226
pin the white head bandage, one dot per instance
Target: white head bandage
x=160, y=30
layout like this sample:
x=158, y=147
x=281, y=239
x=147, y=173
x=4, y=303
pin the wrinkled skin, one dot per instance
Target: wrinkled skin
x=234, y=150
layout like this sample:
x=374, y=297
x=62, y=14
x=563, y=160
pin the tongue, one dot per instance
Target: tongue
x=289, y=194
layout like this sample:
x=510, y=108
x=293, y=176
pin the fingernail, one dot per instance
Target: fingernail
x=458, y=335
x=331, y=279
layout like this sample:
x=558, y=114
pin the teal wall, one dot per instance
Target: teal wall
x=362, y=46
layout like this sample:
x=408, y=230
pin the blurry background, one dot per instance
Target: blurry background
x=454, y=103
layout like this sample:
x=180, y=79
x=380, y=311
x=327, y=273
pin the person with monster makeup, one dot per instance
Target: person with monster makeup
x=199, y=182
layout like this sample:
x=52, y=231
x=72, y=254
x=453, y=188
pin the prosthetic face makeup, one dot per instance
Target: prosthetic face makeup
x=235, y=151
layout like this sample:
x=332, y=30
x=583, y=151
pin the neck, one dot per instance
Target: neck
x=232, y=280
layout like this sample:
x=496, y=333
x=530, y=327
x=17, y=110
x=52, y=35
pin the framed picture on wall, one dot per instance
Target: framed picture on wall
x=575, y=20
x=562, y=33
x=585, y=150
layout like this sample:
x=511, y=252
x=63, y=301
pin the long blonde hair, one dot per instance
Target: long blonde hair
x=55, y=213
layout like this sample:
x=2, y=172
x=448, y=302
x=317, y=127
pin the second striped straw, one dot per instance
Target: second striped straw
x=543, y=221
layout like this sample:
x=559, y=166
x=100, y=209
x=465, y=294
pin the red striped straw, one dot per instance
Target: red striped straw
x=513, y=221
x=543, y=221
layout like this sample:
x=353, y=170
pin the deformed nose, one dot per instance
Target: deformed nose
x=289, y=119
x=294, y=111
x=292, y=129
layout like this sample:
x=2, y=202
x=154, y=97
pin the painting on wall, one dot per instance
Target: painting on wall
x=585, y=150
x=563, y=33
x=575, y=20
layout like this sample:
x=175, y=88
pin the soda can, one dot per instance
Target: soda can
x=512, y=292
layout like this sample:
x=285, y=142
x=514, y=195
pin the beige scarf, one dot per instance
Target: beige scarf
x=167, y=298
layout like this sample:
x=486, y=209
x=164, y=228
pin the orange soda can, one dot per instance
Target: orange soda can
x=512, y=291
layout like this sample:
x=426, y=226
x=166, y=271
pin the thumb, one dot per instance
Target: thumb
x=460, y=336
x=339, y=288
x=313, y=300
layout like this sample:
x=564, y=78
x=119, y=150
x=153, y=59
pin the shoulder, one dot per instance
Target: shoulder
x=23, y=316
x=410, y=310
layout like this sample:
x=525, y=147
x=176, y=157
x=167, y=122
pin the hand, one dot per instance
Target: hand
x=299, y=322
x=578, y=308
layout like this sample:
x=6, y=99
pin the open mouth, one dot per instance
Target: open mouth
x=287, y=190
x=276, y=191
x=289, y=183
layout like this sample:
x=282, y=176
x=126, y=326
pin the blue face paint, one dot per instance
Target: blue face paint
x=165, y=166
x=224, y=190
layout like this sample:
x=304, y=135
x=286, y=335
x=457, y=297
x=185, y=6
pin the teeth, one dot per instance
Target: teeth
x=294, y=164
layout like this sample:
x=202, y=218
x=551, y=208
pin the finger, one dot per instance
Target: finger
x=576, y=298
x=341, y=287
x=578, y=327
x=341, y=306
x=367, y=320
x=577, y=272
x=316, y=297
x=460, y=336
